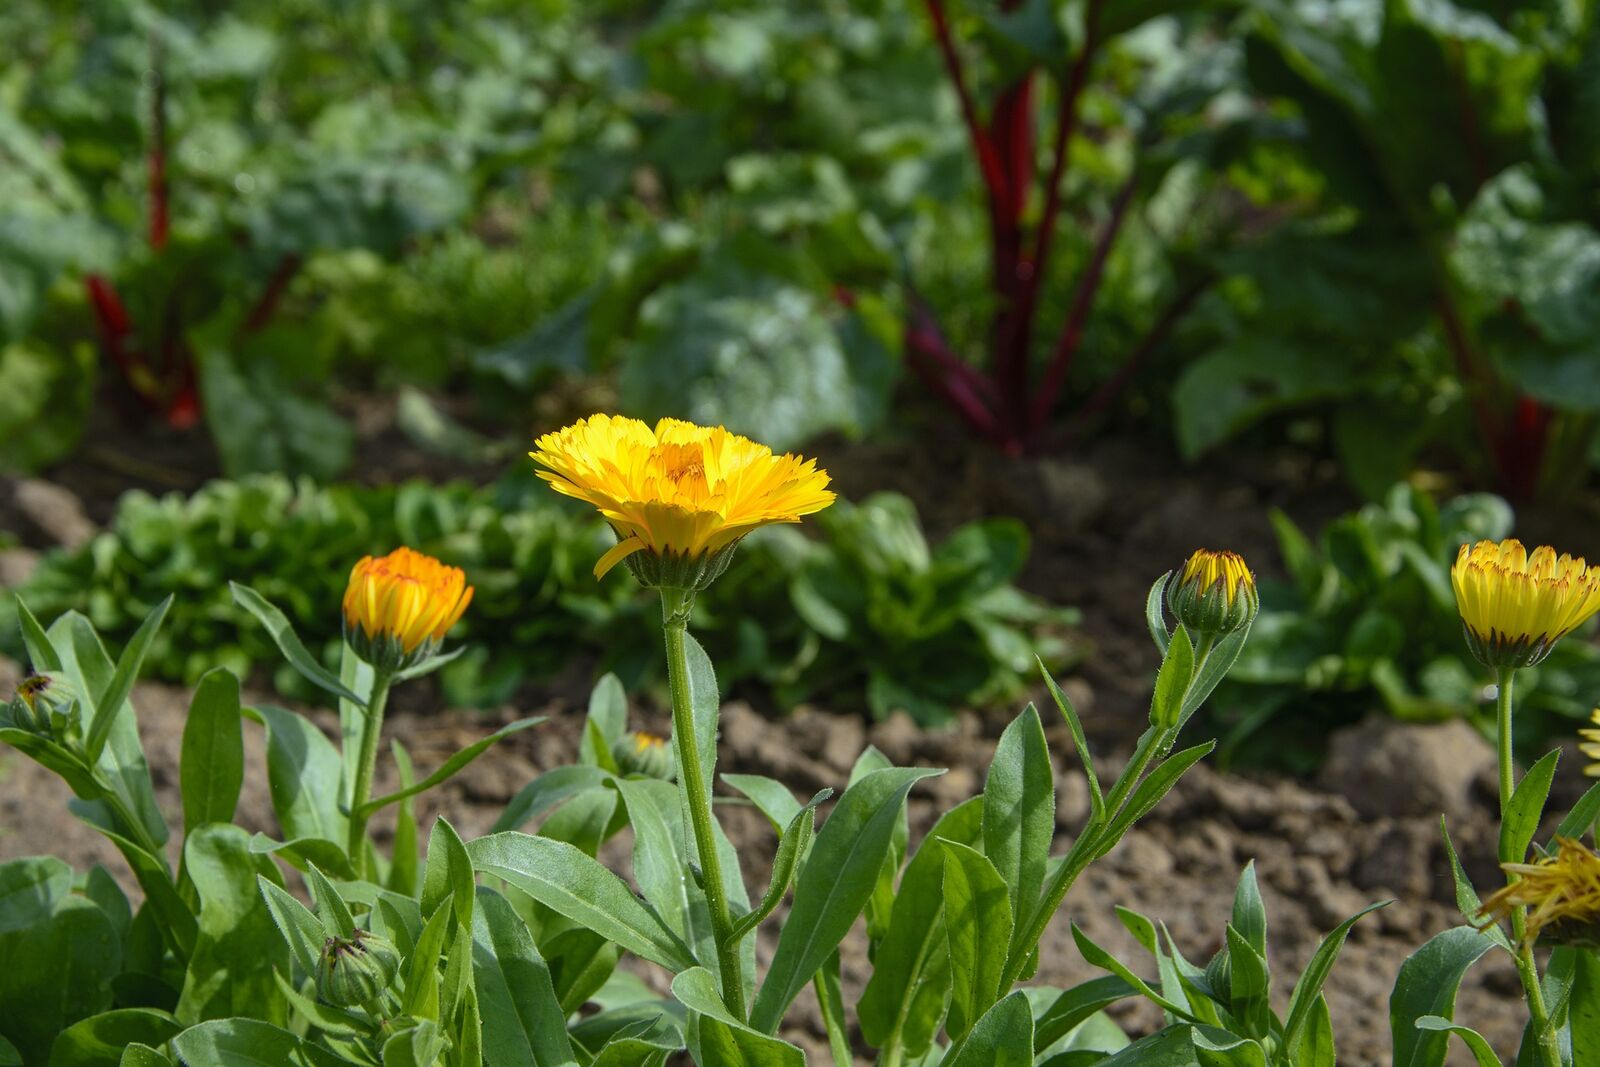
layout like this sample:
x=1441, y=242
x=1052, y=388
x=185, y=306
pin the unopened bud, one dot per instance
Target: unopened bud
x=643, y=754
x=47, y=704
x=354, y=970
x=1214, y=593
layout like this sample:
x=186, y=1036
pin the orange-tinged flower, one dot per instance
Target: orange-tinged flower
x=397, y=608
x=1562, y=893
x=1516, y=606
x=677, y=493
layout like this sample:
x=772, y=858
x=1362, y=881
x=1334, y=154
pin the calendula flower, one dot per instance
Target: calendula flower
x=1515, y=606
x=1561, y=893
x=397, y=608
x=47, y=704
x=679, y=496
x=1590, y=746
x=1214, y=593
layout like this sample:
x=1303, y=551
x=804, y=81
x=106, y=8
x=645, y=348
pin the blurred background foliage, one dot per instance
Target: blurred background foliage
x=1370, y=229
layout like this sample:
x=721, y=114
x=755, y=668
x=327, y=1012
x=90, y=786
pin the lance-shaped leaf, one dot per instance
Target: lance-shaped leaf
x=796, y=838
x=834, y=886
x=282, y=633
x=450, y=766
x=977, y=917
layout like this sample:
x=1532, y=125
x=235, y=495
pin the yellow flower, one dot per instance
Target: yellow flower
x=1214, y=594
x=680, y=494
x=1590, y=745
x=1562, y=893
x=397, y=608
x=643, y=754
x=1516, y=606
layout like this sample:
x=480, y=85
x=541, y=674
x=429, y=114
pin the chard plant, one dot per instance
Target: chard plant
x=522, y=948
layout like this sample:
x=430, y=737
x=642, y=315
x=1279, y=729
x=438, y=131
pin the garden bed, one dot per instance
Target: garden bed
x=1105, y=522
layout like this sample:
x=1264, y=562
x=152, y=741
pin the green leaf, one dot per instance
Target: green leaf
x=581, y=962
x=523, y=1023
x=108, y=704
x=299, y=925
x=1095, y=956
x=567, y=881
x=58, y=971
x=448, y=875
x=544, y=793
x=1149, y=792
x=41, y=653
x=792, y=845
x=1522, y=815
x=1249, y=913
x=331, y=908
x=211, y=770
x=122, y=764
x=1580, y=820
x=356, y=675
x=1077, y=1004
x=418, y=1046
x=608, y=713
x=29, y=890
x=1097, y=802
x=1583, y=1005
x=304, y=851
x=717, y=1039
x=98, y=1041
x=451, y=766
x=422, y=966
x=1426, y=985
x=1308, y=988
x=1211, y=673
x=1481, y=1052
x=259, y=423
x=283, y=635
x=977, y=914
x=1316, y=1039
x=845, y=863
x=1019, y=809
x=303, y=775
x=1172, y=681
x=771, y=797
x=138, y=1055
x=1155, y=613
x=659, y=867
x=240, y=1043
x=1002, y=1038
x=1467, y=900
x=905, y=961
x=403, y=862
x=237, y=948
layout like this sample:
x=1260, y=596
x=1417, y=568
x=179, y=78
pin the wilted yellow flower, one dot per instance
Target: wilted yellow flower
x=1516, y=606
x=397, y=608
x=678, y=495
x=1561, y=892
x=1214, y=593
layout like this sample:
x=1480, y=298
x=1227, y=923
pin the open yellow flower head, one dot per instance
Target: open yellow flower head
x=397, y=608
x=1214, y=593
x=1562, y=893
x=1515, y=606
x=678, y=495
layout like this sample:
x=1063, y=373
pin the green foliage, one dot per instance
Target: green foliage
x=1436, y=275
x=1367, y=621
x=874, y=606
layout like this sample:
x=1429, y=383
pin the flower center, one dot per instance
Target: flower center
x=682, y=462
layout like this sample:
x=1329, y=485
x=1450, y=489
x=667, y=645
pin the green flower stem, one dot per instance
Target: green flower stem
x=361, y=792
x=697, y=796
x=1549, y=1049
x=1081, y=855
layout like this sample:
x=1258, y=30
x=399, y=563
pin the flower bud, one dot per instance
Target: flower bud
x=397, y=608
x=354, y=970
x=1219, y=976
x=1214, y=594
x=47, y=704
x=643, y=754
